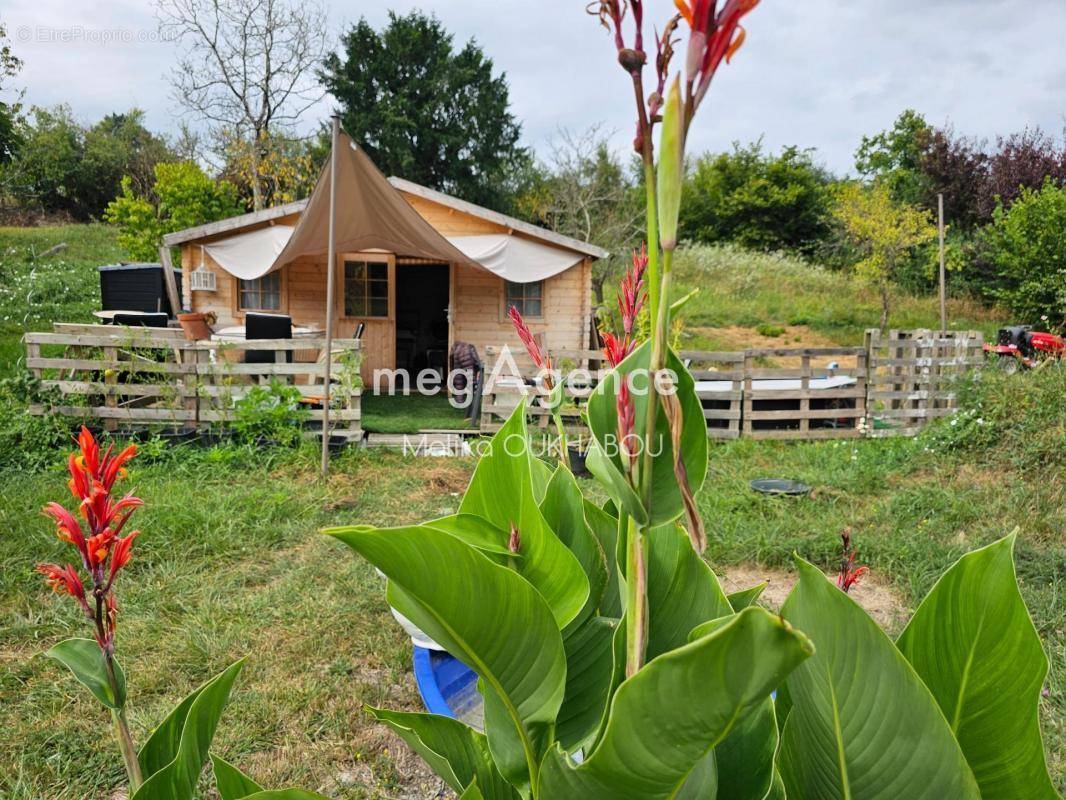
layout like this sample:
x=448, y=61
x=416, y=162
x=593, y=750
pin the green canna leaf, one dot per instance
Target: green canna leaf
x=230, y=782
x=501, y=492
x=85, y=660
x=665, y=720
x=563, y=509
x=745, y=758
x=589, y=679
x=188, y=740
x=683, y=592
x=491, y=618
x=605, y=462
x=605, y=528
x=745, y=597
x=973, y=643
x=862, y=724
x=455, y=751
x=671, y=175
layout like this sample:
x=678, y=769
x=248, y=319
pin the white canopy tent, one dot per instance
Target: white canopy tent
x=252, y=255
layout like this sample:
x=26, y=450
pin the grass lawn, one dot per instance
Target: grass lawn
x=231, y=565
x=410, y=413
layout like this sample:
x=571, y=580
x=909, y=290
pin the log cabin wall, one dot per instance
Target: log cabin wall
x=478, y=300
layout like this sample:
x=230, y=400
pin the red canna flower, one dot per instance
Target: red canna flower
x=632, y=296
x=615, y=350
x=63, y=580
x=627, y=418
x=716, y=35
x=104, y=552
x=121, y=554
x=540, y=358
x=849, y=574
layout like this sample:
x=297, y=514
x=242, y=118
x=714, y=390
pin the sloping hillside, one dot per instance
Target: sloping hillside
x=741, y=289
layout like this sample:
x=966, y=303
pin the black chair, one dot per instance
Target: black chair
x=141, y=320
x=266, y=326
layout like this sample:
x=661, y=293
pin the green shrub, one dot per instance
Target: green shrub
x=271, y=413
x=768, y=330
x=1027, y=250
x=186, y=198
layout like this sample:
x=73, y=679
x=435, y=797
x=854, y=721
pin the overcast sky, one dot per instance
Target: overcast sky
x=814, y=73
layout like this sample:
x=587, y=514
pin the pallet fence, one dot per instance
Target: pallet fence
x=891, y=386
x=155, y=377
x=912, y=376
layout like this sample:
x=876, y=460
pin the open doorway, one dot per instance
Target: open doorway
x=422, y=317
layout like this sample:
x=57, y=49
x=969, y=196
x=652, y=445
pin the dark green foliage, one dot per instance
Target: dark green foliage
x=424, y=110
x=1027, y=252
x=757, y=199
x=63, y=167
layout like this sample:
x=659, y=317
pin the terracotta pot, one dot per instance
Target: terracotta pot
x=195, y=326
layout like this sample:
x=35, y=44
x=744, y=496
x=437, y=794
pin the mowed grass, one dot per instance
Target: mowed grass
x=739, y=288
x=410, y=413
x=231, y=565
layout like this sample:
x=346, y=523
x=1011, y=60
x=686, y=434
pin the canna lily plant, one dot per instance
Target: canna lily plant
x=611, y=662
x=168, y=764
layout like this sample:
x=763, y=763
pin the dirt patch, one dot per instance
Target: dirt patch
x=881, y=602
x=735, y=338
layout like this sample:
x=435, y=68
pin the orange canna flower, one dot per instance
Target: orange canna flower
x=120, y=556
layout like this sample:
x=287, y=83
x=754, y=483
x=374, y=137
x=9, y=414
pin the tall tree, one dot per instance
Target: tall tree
x=956, y=167
x=424, y=110
x=247, y=69
x=584, y=192
x=895, y=156
x=1021, y=161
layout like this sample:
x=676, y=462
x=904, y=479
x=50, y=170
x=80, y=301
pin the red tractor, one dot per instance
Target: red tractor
x=1020, y=347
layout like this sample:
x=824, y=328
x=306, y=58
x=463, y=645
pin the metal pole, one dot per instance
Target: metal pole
x=943, y=288
x=331, y=268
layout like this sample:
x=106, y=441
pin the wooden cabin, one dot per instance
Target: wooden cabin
x=413, y=309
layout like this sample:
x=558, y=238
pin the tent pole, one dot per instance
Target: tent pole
x=331, y=268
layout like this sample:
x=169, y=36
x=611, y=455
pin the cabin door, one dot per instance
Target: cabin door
x=422, y=297
x=366, y=293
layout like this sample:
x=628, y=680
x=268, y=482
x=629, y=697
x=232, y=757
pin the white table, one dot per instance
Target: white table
x=236, y=333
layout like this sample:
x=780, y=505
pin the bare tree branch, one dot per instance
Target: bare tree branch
x=248, y=66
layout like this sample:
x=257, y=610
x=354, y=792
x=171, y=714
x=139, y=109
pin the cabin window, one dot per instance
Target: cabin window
x=261, y=294
x=528, y=298
x=366, y=289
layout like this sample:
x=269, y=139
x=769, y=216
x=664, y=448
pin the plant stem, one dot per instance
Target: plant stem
x=558, y=419
x=636, y=599
x=122, y=733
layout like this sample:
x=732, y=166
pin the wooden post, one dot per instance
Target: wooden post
x=331, y=268
x=943, y=269
x=168, y=278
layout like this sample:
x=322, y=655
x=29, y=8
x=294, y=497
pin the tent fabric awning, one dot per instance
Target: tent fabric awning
x=515, y=259
x=371, y=215
x=250, y=255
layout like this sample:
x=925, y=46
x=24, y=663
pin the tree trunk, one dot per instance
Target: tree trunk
x=256, y=178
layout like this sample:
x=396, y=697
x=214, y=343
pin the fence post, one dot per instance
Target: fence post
x=745, y=416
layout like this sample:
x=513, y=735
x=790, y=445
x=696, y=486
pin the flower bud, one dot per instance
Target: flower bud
x=671, y=166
